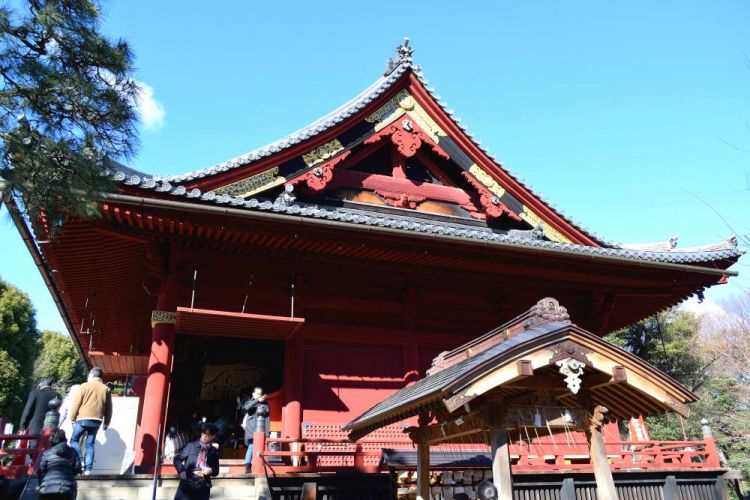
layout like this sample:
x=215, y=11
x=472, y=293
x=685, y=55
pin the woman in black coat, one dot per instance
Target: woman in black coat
x=58, y=468
x=37, y=406
x=196, y=463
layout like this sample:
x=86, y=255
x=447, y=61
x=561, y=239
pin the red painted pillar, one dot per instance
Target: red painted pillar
x=292, y=420
x=159, y=371
x=259, y=447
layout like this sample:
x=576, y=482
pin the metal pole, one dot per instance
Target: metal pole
x=292, y=311
x=157, y=463
x=192, y=296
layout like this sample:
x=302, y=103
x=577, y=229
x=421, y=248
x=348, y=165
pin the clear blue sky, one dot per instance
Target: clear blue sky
x=632, y=117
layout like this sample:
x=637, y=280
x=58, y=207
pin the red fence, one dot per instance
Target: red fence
x=622, y=455
x=324, y=455
x=14, y=450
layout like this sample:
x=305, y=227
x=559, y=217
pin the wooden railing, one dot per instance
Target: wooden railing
x=622, y=455
x=325, y=455
x=320, y=455
x=14, y=450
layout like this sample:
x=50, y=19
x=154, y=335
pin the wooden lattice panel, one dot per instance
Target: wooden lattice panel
x=391, y=436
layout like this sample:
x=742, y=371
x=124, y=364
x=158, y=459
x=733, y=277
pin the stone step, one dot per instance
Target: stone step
x=134, y=487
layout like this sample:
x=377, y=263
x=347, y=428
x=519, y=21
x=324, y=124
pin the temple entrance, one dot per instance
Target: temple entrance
x=210, y=373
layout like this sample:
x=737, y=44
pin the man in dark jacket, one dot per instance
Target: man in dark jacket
x=58, y=468
x=196, y=463
x=257, y=409
x=37, y=407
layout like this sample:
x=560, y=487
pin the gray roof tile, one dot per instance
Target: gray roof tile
x=128, y=176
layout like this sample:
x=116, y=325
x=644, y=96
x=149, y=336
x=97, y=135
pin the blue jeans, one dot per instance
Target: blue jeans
x=90, y=427
x=249, y=454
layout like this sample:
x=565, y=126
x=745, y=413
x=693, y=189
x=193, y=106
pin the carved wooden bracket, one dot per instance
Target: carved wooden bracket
x=400, y=200
x=163, y=317
x=493, y=207
x=572, y=369
x=598, y=418
x=319, y=176
x=457, y=401
x=569, y=349
x=407, y=137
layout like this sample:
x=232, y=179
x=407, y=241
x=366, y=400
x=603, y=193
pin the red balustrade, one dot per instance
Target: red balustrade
x=327, y=455
x=17, y=447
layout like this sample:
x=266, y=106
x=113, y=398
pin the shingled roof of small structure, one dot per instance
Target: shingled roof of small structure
x=433, y=387
x=544, y=324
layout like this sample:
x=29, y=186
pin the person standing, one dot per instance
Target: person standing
x=256, y=409
x=37, y=406
x=91, y=408
x=196, y=463
x=57, y=469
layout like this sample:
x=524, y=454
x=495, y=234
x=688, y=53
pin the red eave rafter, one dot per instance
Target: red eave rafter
x=213, y=182
x=114, y=363
x=235, y=324
x=522, y=194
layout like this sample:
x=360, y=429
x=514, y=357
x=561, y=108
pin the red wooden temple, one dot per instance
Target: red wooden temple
x=332, y=266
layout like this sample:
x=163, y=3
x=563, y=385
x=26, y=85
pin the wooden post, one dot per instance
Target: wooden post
x=423, y=471
x=292, y=420
x=309, y=491
x=568, y=490
x=605, y=483
x=259, y=446
x=159, y=374
x=670, y=491
x=501, y=473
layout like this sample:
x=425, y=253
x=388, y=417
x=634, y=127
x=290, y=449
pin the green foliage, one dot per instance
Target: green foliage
x=67, y=105
x=672, y=342
x=18, y=349
x=10, y=381
x=668, y=341
x=58, y=359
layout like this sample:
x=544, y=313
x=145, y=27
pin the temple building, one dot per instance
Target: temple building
x=346, y=261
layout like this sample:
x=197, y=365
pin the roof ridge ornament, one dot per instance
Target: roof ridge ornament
x=403, y=55
x=546, y=310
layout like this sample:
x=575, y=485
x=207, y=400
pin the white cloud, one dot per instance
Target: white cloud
x=152, y=112
x=706, y=307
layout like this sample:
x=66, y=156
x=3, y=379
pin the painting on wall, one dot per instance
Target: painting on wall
x=222, y=382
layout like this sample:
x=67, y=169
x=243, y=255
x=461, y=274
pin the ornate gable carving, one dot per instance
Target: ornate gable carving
x=569, y=350
x=546, y=310
x=253, y=184
x=319, y=177
x=408, y=137
x=491, y=203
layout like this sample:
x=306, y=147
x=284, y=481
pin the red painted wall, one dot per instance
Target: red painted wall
x=342, y=380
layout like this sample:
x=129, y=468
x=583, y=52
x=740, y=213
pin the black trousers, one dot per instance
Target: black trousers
x=58, y=496
x=185, y=492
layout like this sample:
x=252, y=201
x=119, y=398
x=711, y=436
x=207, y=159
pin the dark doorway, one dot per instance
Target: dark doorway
x=209, y=374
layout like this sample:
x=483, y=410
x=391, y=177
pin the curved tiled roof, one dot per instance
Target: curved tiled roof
x=397, y=68
x=727, y=249
x=173, y=185
x=319, y=126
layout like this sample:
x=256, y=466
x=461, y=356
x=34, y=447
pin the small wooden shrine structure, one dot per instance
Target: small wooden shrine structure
x=538, y=374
